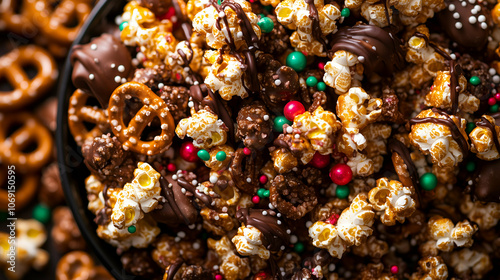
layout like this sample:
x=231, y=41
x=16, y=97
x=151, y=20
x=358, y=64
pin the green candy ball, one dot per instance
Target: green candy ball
x=345, y=12
x=266, y=24
x=494, y=108
x=123, y=25
x=131, y=229
x=470, y=126
x=311, y=81
x=266, y=193
x=470, y=166
x=475, y=80
x=428, y=181
x=342, y=192
x=203, y=155
x=297, y=61
x=299, y=247
x=321, y=86
x=260, y=192
x=279, y=122
x=41, y=213
x=220, y=156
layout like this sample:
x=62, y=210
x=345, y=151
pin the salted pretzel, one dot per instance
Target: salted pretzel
x=26, y=90
x=31, y=132
x=79, y=265
x=79, y=113
x=24, y=192
x=19, y=23
x=55, y=22
x=154, y=106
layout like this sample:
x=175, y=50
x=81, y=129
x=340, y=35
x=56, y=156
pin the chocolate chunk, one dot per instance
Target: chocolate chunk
x=486, y=184
x=253, y=128
x=100, y=66
x=139, y=262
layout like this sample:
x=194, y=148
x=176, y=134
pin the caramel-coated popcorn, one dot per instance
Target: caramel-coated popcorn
x=204, y=127
x=326, y=236
x=145, y=234
x=225, y=75
x=417, y=11
x=343, y=71
x=248, y=241
x=233, y=266
x=482, y=140
x=466, y=261
x=356, y=109
x=394, y=199
x=447, y=235
x=485, y=215
x=431, y=268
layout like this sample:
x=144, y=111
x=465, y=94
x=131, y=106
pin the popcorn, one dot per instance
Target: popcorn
x=375, y=14
x=447, y=235
x=343, y=71
x=482, y=139
x=193, y=7
x=356, y=109
x=216, y=165
x=437, y=138
x=394, y=199
x=376, y=136
x=225, y=75
x=146, y=232
x=431, y=268
x=136, y=198
x=283, y=160
x=319, y=128
x=417, y=11
x=30, y=236
x=296, y=15
x=360, y=165
x=485, y=215
x=465, y=261
x=217, y=222
x=94, y=189
x=225, y=27
x=205, y=128
x=352, y=228
x=372, y=247
x=233, y=267
x=248, y=241
x=440, y=94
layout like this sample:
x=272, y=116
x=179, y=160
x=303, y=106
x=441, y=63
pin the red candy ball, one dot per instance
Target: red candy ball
x=293, y=109
x=263, y=179
x=497, y=96
x=320, y=161
x=256, y=199
x=171, y=167
x=492, y=101
x=218, y=277
x=394, y=269
x=321, y=65
x=189, y=152
x=341, y=174
x=247, y=151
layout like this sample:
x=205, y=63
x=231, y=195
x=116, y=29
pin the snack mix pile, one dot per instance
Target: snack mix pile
x=295, y=139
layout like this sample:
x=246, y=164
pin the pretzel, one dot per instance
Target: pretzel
x=12, y=21
x=78, y=113
x=31, y=131
x=154, y=106
x=24, y=192
x=26, y=90
x=53, y=22
x=79, y=265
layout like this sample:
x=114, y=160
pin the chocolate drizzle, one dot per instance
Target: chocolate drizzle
x=186, y=27
x=275, y=235
x=174, y=267
x=316, y=28
x=483, y=122
x=455, y=132
x=398, y=147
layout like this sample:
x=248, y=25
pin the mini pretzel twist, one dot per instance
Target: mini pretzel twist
x=16, y=22
x=153, y=107
x=245, y=171
x=26, y=90
x=78, y=113
x=78, y=265
x=31, y=131
x=24, y=191
x=55, y=22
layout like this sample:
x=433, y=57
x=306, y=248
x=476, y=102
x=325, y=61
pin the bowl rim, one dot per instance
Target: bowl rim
x=95, y=244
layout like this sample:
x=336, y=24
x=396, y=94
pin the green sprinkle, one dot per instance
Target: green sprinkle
x=203, y=155
x=266, y=193
x=470, y=166
x=342, y=192
x=266, y=24
x=123, y=25
x=131, y=229
x=41, y=213
x=345, y=12
x=428, y=181
x=311, y=81
x=494, y=108
x=279, y=122
x=470, y=126
x=299, y=247
x=260, y=192
x=321, y=86
x=475, y=80
x=220, y=156
x=297, y=61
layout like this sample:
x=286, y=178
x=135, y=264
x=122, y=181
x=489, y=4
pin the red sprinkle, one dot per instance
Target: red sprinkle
x=497, y=96
x=492, y=101
x=394, y=269
x=171, y=167
x=321, y=65
x=218, y=277
x=263, y=179
x=247, y=151
x=256, y=199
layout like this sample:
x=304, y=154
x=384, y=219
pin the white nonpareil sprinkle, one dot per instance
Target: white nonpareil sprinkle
x=277, y=82
x=121, y=68
x=458, y=25
x=174, y=177
x=309, y=224
x=331, y=267
x=484, y=25
x=496, y=79
x=456, y=15
x=453, y=56
x=194, y=182
x=113, y=65
x=118, y=79
x=293, y=239
x=213, y=179
x=472, y=19
x=297, y=136
x=289, y=130
x=481, y=18
x=221, y=14
x=249, y=180
x=492, y=71
x=160, y=85
x=451, y=7
x=264, y=213
x=181, y=234
x=91, y=76
x=463, y=4
x=93, y=47
x=361, y=59
x=191, y=104
x=266, y=117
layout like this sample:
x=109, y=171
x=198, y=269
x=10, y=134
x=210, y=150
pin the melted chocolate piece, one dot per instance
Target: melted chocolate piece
x=486, y=184
x=381, y=50
x=470, y=36
x=398, y=147
x=485, y=123
x=97, y=64
x=172, y=269
x=316, y=28
x=274, y=234
x=455, y=132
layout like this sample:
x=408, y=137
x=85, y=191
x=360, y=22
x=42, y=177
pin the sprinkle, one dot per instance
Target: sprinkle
x=194, y=182
x=496, y=79
x=484, y=25
x=249, y=180
x=174, y=177
x=293, y=239
x=481, y=18
x=113, y=65
x=472, y=19
x=160, y=85
x=289, y=130
x=181, y=234
x=221, y=14
x=91, y=76
x=456, y=15
x=464, y=4
x=492, y=71
x=451, y=7
x=297, y=136
x=264, y=213
x=458, y=25
x=361, y=59
x=121, y=68
x=93, y=47
x=277, y=82
x=472, y=1
x=266, y=117
x=191, y=104
x=118, y=79
x=213, y=179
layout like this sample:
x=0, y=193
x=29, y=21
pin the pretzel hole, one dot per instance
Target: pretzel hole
x=72, y=20
x=152, y=129
x=31, y=70
x=132, y=106
x=18, y=7
x=5, y=85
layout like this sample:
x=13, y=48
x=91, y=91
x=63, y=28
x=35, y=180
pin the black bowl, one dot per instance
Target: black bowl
x=73, y=170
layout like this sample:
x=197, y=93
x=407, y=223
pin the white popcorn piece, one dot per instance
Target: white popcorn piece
x=325, y=236
x=341, y=70
x=145, y=234
x=248, y=242
x=353, y=112
x=232, y=266
x=205, y=128
x=485, y=215
x=394, y=199
x=483, y=142
x=225, y=76
x=467, y=260
x=446, y=234
x=431, y=268
x=94, y=189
